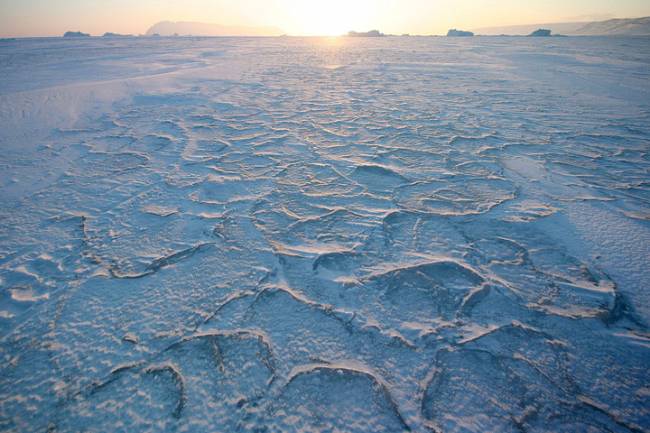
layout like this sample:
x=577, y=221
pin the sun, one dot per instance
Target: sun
x=331, y=18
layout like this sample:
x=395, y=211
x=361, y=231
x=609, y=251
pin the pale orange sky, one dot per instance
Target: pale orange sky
x=301, y=17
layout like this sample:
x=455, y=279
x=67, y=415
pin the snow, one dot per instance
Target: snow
x=232, y=234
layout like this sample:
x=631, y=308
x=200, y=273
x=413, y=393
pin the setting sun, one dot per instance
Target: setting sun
x=331, y=18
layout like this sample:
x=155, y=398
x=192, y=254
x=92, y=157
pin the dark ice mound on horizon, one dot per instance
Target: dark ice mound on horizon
x=370, y=34
x=540, y=33
x=70, y=34
x=116, y=35
x=459, y=33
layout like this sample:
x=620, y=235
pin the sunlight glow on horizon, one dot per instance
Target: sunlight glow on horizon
x=302, y=17
x=331, y=18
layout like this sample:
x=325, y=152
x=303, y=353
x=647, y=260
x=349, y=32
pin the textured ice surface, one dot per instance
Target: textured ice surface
x=321, y=235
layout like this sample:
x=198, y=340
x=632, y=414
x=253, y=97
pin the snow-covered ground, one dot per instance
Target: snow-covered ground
x=325, y=235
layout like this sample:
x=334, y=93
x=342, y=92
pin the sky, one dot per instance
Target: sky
x=302, y=17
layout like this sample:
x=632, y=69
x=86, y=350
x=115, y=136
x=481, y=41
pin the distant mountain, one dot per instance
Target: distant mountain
x=182, y=28
x=617, y=27
x=564, y=28
x=75, y=35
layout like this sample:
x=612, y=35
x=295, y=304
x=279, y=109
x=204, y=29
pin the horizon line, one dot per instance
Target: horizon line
x=310, y=35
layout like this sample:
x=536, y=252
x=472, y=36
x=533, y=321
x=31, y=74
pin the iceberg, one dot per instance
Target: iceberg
x=115, y=35
x=540, y=33
x=369, y=34
x=459, y=33
x=71, y=34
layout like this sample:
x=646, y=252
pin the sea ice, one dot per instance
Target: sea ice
x=231, y=234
